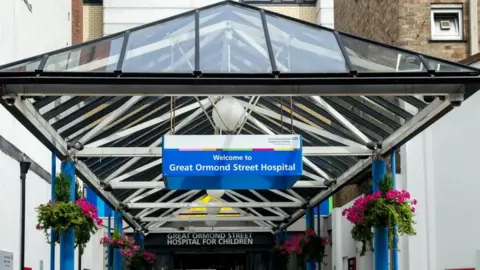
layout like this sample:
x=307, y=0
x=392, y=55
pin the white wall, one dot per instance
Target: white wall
x=25, y=33
x=441, y=171
x=325, y=13
x=344, y=247
x=120, y=15
x=37, y=192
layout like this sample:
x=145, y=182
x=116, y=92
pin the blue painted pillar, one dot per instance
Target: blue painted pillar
x=319, y=232
x=393, y=165
x=109, y=251
x=52, y=232
x=310, y=225
x=142, y=241
x=380, y=238
x=117, y=256
x=139, y=239
x=67, y=240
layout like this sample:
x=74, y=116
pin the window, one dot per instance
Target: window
x=447, y=22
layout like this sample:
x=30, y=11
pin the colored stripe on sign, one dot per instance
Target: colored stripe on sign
x=231, y=149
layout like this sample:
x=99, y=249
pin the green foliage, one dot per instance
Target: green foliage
x=311, y=247
x=62, y=216
x=62, y=188
x=387, y=209
x=387, y=183
x=137, y=262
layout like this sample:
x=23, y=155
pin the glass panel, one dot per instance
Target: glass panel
x=232, y=40
x=446, y=67
x=23, y=67
x=100, y=56
x=165, y=47
x=369, y=57
x=300, y=48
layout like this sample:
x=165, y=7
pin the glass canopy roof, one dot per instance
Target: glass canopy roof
x=230, y=37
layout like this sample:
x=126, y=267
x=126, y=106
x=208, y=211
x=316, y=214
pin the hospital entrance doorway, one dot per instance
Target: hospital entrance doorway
x=210, y=261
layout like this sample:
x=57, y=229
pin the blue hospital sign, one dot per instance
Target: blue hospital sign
x=231, y=161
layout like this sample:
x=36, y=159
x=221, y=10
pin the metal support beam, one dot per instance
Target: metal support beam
x=161, y=185
x=236, y=197
x=56, y=141
x=157, y=151
x=169, y=211
x=147, y=124
x=341, y=119
x=156, y=143
x=109, y=119
x=412, y=127
x=211, y=218
x=307, y=161
x=214, y=205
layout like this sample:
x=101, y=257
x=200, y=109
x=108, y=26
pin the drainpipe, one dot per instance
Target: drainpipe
x=473, y=26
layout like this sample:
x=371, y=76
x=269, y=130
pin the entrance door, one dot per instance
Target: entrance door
x=210, y=261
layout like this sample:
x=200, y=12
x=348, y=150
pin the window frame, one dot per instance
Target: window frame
x=438, y=9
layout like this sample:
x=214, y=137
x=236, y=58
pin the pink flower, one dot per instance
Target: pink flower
x=38, y=228
x=414, y=202
x=413, y=209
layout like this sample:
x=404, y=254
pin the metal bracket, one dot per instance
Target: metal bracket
x=375, y=147
x=330, y=183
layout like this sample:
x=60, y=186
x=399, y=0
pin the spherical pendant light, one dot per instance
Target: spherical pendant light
x=215, y=193
x=231, y=112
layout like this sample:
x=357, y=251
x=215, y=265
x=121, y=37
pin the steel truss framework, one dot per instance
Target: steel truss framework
x=351, y=98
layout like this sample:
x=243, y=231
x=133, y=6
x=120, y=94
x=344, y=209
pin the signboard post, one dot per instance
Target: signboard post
x=231, y=161
x=6, y=260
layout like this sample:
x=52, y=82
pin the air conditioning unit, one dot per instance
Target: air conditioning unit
x=445, y=25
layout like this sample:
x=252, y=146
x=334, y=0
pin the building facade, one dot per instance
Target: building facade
x=27, y=28
x=446, y=29
x=435, y=166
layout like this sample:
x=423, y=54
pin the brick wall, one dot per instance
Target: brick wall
x=306, y=13
x=372, y=19
x=92, y=22
x=77, y=21
x=403, y=23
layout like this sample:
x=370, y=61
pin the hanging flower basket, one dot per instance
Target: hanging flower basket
x=388, y=208
x=121, y=241
x=141, y=260
x=306, y=247
x=80, y=216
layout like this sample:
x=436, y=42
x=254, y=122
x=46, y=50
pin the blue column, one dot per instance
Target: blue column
x=117, y=256
x=319, y=232
x=310, y=225
x=52, y=196
x=109, y=251
x=142, y=241
x=380, y=238
x=393, y=165
x=67, y=240
x=139, y=239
